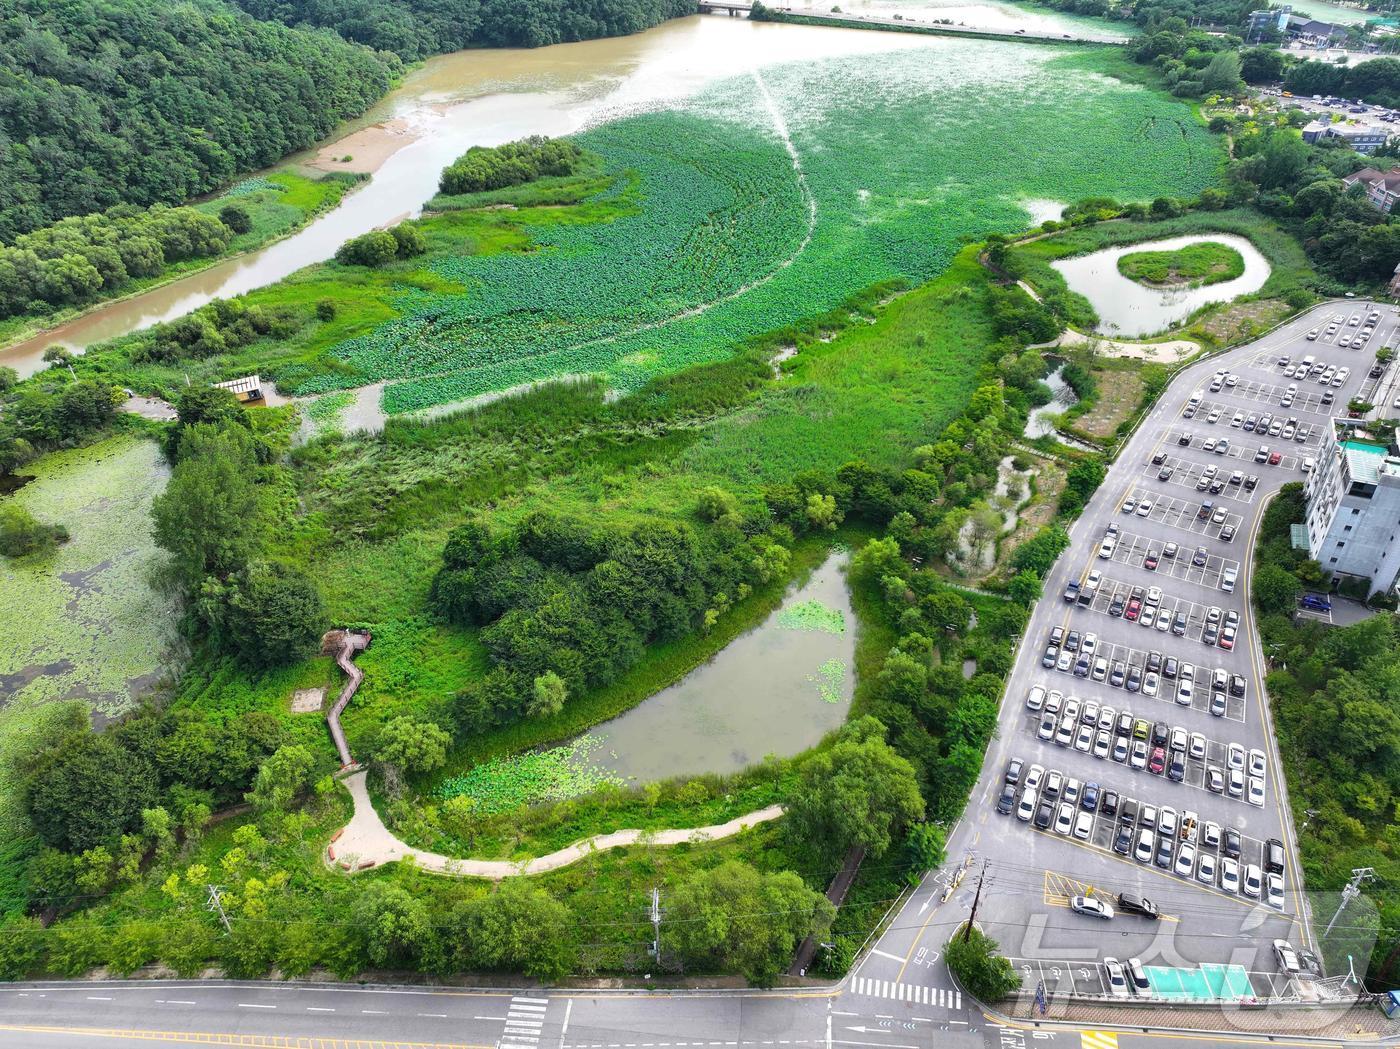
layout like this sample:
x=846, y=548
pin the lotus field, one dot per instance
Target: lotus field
x=770, y=198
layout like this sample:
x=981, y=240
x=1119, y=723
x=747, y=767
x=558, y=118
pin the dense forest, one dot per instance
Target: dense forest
x=414, y=29
x=104, y=102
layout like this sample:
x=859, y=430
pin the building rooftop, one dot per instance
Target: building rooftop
x=1363, y=461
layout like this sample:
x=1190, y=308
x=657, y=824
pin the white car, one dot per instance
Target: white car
x=1205, y=870
x=1256, y=763
x=1083, y=825
x=1287, y=958
x=1149, y=683
x=1090, y=906
x=1103, y=743
x=1197, y=748
x=1034, y=774
x=1026, y=809
x=1185, y=860
x=1117, y=977
x=1107, y=547
x=1064, y=819
x=1274, y=886
x=1234, y=757
x=1253, y=883
x=1256, y=791
x=1230, y=875
x=1035, y=698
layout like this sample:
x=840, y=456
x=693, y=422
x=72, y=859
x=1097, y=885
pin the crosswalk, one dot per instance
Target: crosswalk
x=524, y=1022
x=907, y=992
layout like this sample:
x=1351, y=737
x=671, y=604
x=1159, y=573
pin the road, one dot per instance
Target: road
x=101, y=1015
x=901, y=995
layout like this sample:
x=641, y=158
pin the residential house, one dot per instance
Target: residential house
x=1382, y=187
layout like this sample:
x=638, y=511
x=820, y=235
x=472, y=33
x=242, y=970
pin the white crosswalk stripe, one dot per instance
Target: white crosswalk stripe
x=907, y=992
x=524, y=1023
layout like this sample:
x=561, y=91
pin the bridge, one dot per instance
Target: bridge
x=896, y=22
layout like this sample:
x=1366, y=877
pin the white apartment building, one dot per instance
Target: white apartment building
x=1353, y=501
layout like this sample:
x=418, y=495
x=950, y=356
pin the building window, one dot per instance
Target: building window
x=1355, y=510
x=1341, y=543
x=1347, y=528
x=1331, y=560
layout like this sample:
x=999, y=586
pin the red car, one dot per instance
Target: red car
x=1150, y=561
x=1275, y=458
x=1134, y=607
x=1158, y=761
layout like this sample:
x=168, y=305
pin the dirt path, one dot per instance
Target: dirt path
x=365, y=842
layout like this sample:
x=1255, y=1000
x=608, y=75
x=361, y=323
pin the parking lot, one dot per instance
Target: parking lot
x=1159, y=564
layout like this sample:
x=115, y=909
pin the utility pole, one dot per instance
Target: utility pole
x=1351, y=890
x=655, y=950
x=216, y=904
x=976, y=899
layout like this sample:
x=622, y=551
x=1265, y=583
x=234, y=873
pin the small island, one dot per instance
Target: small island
x=1193, y=266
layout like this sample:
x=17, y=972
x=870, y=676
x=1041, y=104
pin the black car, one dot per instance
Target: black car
x=1013, y=771
x=1176, y=770
x=1132, y=903
x=1115, y=607
x=1273, y=856
x=1250, y=481
x=1072, y=641
x=1109, y=805
x=1124, y=840
x=1169, y=668
x=1134, y=682
x=1154, y=661
x=1160, y=734
x=1184, y=439
x=1057, y=635
x=1231, y=845
x=1159, y=458
x=1237, y=684
x=1007, y=801
x=1044, y=814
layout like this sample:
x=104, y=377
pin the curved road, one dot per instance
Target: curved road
x=900, y=996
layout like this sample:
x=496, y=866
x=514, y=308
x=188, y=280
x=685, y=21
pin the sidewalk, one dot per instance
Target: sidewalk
x=1346, y=1021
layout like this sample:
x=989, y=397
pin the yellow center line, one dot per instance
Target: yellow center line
x=259, y=1041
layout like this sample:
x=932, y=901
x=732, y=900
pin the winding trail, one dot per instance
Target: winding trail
x=365, y=842
x=344, y=645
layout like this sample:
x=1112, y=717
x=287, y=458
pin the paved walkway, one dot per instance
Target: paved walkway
x=365, y=842
x=1358, y=1022
x=1170, y=352
x=344, y=645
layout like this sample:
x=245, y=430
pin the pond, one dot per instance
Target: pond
x=776, y=690
x=1128, y=308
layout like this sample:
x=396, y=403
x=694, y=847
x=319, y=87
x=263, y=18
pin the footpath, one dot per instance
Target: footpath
x=365, y=842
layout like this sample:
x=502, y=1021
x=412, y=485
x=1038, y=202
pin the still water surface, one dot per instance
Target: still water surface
x=1126, y=307
x=776, y=690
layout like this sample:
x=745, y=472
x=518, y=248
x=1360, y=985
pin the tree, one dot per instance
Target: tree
x=975, y=960
x=284, y=775
x=734, y=919
x=394, y=926
x=926, y=846
x=714, y=503
x=1261, y=65
x=236, y=218
x=412, y=745
x=369, y=249
x=269, y=615
x=1275, y=589
x=209, y=516
x=200, y=405
x=859, y=792
x=86, y=790
x=1222, y=74
x=519, y=927
x=408, y=240
x=21, y=946
x=1024, y=588
x=548, y=695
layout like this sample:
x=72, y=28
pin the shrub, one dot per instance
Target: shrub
x=369, y=249
x=21, y=534
x=975, y=960
x=236, y=218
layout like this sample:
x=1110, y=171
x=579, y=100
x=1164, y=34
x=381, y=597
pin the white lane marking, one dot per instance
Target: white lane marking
x=568, y=1011
x=886, y=954
x=435, y=1016
x=251, y=1005
x=530, y=1001
x=95, y=998
x=374, y=1012
x=514, y=1007
x=172, y=1001
x=319, y=1009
